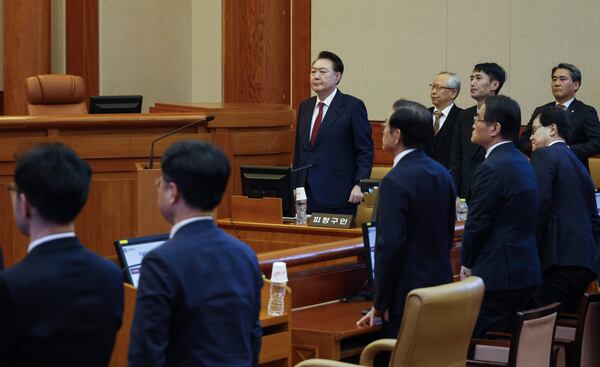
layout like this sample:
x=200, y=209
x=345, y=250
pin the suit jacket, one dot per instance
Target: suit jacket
x=342, y=154
x=198, y=302
x=415, y=229
x=60, y=306
x=568, y=218
x=465, y=156
x=440, y=148
x=499, y=238
x=585, y=135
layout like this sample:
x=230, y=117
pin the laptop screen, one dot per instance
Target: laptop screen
x=131, y=251
x=598, y=200
x=369, y=230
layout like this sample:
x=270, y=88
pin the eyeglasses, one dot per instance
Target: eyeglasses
x=439, y=87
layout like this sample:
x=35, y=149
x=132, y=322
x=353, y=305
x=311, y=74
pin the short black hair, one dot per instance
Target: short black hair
x=55, y=181
x=494, y=71
x=554, y=115
x=506, y=112
x=414, y=122
x=572, y=69
x=200, y=171
x=338, y=65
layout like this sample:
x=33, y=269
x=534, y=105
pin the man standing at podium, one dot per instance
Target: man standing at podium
x=198, y=301
x=62, y=304
x=334, y=148
x=415, y=218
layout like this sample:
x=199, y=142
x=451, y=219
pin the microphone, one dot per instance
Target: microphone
x=151, y=160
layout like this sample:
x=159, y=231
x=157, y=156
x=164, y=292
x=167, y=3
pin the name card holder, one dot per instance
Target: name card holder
x=330, y=220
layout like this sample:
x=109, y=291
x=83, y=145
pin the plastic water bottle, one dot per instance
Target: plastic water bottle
x=300, y=205
x=277, y=293
x=462, y=210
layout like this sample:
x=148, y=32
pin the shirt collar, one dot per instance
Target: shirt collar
x=401, y=155
x=567, y=103
x=487, y=153
x=327, y=100
x=446, y=110
x=182, y=223
x=48, y=238
x=557, y=141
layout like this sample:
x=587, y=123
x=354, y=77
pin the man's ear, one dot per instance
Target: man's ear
x=496, y=129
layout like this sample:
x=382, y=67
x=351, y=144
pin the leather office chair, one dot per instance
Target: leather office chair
x=56, y=94
x=530, y=344
x=364, y=212
x=436, y=328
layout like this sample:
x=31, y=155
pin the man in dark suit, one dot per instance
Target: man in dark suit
x=416, y=214
x=499, y=238
x=61, y=305
x=585, y=135
x=568, y=222
x=444, y=90
x=486, y=80
x=333, y=138
x=198, y=301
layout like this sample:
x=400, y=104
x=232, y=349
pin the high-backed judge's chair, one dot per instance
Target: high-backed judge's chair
x=56, y=94
x=436, y=328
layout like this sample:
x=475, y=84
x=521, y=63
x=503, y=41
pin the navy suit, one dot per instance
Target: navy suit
x=60, y=306
x=465, y=156
x=440, y=148
x=341, y=156
x=415, y=230
x=567, y=226
x=585, y=135
x=499, y=238
x=198, y=302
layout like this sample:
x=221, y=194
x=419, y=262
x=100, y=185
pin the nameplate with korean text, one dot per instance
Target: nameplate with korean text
x=330, y=220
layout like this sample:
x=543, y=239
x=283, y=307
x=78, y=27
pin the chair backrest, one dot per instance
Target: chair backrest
x=364, y=212
x=378, y=172
x=587, y=336
x=437, y=324
x=56, y=94
x=532, y=337
x=121, y=348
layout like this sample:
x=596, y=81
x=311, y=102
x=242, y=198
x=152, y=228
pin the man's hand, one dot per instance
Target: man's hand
x=464, y=273
x=369, y=318
x=356, y=196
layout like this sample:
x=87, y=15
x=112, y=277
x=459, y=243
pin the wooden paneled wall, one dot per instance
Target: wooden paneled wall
x=82, y=42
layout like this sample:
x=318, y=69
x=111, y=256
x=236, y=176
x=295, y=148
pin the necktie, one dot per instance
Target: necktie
x=436, y=123
x=315, y=130
x=562, y=107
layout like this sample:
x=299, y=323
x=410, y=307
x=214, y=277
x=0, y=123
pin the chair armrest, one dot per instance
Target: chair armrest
x=317, y=362
x=497, y=335
x=381, y=345
x=471, y=363
x=491, y=342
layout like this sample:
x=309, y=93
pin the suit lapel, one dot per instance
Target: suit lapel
x=445, y=127
x=305, y=121
x=333, y=112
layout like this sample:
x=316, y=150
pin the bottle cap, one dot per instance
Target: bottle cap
x=279, y=272
x=463, y=200
x=300, y=193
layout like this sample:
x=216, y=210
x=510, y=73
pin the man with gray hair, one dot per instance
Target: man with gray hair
x=444, y=90
x=585, y=135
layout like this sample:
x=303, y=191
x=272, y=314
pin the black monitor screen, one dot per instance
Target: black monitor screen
x=269, y=181
x=131, y=251
x=115, y=104
x=369, y=230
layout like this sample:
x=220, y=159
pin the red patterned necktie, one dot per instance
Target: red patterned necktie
x=315, y=130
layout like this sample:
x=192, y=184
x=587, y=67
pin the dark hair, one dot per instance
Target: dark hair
x=54, y=180
x=414, y=122
x=200, y=171
x=573, y=71
x=338, y=65
x=506, y=112
x=554, y=115
x=494, y=71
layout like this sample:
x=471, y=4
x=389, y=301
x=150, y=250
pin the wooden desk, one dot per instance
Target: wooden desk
x=329, y=331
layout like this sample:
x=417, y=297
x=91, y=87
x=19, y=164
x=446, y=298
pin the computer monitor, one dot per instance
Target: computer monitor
x=369, y=236
x=131, y=251
x=269, y=181
x=116, y=104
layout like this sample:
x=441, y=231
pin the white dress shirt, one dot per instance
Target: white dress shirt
x=178, y=225
x=327, y=102
x=444, y=115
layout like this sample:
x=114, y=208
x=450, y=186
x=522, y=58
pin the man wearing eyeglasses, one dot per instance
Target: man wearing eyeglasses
x=444, y=90
x=486, y=80
x=499, y=241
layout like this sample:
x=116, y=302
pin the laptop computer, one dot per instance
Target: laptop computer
x=131, y=251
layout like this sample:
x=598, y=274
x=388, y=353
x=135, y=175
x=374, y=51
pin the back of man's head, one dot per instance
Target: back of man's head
x=506, y=112
x=414, y=122
x=54, y=180
x=200, y=171
x=338, y=65
x=554, y=115
x=493, y=71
